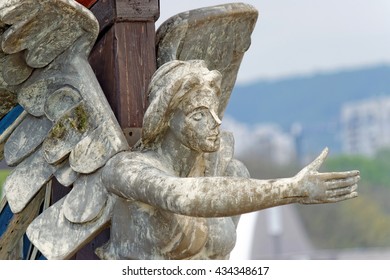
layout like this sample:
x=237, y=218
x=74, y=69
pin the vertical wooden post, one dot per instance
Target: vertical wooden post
x=124, y=58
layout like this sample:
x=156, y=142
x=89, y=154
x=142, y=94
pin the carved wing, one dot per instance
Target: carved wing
x=55, y=120
x=220, y=35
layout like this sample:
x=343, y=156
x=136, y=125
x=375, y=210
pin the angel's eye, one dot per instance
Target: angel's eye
x=197, y=116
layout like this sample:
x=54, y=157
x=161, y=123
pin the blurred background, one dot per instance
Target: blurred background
x=316, y=75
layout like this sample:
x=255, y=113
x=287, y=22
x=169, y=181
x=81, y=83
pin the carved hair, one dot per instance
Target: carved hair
x=168, y=87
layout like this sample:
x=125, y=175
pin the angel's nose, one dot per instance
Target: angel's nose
x=216, y=120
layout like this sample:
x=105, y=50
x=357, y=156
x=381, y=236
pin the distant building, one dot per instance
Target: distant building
x=366, y=126
x=273, y=144
x=267, y=142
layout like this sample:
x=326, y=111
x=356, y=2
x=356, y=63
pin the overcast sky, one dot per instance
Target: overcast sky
x=295, y=37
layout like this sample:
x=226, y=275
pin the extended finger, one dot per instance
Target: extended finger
x=341, y=183
x=338, y=175
x=342, y=197
x=342, y=191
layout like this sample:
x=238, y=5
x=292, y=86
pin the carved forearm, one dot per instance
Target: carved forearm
x=200, y=196
x=215, y=196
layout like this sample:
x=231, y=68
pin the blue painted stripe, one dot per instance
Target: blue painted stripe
x=11, y=116
x=5, y=218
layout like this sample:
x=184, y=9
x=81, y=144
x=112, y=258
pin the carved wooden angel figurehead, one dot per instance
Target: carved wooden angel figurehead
x=176, y=195
x=181, y=127
x=168, y=205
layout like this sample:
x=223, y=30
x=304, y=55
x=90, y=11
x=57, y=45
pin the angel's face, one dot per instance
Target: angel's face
x=195, y=123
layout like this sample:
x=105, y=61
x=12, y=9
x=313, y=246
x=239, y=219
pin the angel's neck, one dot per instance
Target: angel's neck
x=179, y=157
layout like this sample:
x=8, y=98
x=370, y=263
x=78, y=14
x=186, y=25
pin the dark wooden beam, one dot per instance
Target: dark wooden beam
x=124, y=58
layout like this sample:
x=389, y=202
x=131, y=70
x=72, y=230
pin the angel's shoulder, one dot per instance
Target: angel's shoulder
x=137, y=160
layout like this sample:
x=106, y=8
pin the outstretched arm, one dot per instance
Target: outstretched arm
x=224, y=196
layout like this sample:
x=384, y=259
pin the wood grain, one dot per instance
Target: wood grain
x=124, y=58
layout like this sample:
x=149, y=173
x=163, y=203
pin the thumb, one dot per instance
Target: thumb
x=316, y=164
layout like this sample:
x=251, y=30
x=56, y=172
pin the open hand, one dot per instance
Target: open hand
x=315, y=187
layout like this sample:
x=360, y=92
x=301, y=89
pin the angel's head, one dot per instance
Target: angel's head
x=184, y=98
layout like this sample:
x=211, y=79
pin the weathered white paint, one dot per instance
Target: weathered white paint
x=26, y=179
x=26, y=138
x=57, y=238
